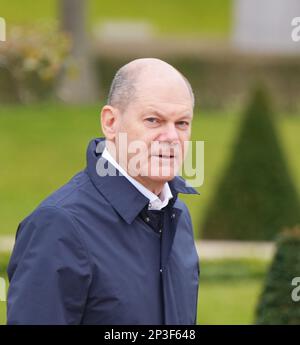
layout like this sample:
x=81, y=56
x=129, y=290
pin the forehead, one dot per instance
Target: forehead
x=165, y=110
x=164, y=99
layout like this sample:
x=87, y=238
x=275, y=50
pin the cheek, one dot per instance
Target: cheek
x=185, y=140
x=137, y=132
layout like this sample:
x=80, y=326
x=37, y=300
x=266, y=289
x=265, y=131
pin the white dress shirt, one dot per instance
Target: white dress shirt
x=155, y=202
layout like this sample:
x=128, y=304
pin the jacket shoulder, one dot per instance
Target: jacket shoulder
x=70, y=191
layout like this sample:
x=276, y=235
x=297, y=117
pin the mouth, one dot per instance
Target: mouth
x=165, y=156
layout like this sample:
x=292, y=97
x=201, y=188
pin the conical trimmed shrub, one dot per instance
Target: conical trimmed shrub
x=256, y=197
x=277, y=304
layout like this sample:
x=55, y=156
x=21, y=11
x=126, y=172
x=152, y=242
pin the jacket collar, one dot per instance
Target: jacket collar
x=118, y=190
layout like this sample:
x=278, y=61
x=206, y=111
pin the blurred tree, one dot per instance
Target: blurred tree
x=279, y=301
x=256, y=197
x=78, y=84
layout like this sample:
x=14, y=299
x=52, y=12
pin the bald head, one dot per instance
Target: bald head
x=134, y=77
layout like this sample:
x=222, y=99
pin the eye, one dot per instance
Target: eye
x=183, y=124
x=153, y=121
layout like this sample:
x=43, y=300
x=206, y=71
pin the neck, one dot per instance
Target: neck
x=154, y=186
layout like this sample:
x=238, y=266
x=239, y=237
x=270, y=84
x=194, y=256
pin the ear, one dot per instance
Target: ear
x=109, y=120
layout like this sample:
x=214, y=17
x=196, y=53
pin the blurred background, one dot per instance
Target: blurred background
x=57, y=60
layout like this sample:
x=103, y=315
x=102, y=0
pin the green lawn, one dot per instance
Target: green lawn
x=42, y=146
x=229, y=291
x=3, y=263
x=38, y=134
x=169, y=16
x=228, y=303
x=2, y=311
x=228, y=294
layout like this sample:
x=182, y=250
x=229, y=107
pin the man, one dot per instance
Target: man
x=115, y=245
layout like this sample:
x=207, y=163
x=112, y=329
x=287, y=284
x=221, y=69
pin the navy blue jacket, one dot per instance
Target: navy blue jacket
x=86, y=256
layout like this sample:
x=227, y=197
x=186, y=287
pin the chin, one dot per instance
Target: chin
x=160, y=173
x=162, y=179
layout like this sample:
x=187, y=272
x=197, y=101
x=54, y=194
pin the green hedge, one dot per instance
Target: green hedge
x=224, y=81
x=219, y=80
x=276, y=305
x=255, y=197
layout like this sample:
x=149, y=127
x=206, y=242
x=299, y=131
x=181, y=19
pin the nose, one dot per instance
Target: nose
x=170, y=134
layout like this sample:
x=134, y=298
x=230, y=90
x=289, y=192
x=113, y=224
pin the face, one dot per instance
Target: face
x=152, y=133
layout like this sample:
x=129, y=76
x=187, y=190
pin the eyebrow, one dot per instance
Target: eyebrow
x=157, y=113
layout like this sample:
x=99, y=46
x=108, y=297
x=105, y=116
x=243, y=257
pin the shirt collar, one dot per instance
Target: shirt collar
x=118, y=190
